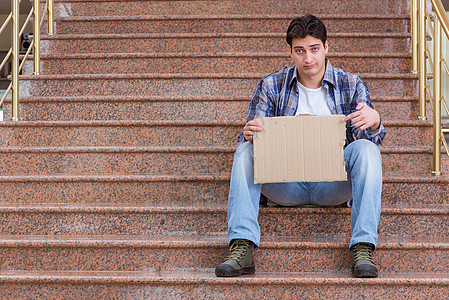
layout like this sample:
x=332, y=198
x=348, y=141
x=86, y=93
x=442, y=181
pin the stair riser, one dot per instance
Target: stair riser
x=96, y=163
x=188, y=87
x=266, y=260
x=213, y=44
x=415, y=193
x=203, y=222
x=176, y=110
x=395, y=111
x=225, y=25
x=200, y=192
x=410, y=163
x=115, y=163
x=188, y=192
x=408, y=136
x=60, y=136
x=208, y=65
x=183, y=289
x=231, y=7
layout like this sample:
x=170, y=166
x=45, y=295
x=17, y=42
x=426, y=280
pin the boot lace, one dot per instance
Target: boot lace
x=362, y=251
x=238, y=249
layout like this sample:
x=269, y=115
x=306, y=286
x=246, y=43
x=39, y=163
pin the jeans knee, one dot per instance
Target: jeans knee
x=363, y=148
x=363, y=153
x=243, y=156
x=244, y=151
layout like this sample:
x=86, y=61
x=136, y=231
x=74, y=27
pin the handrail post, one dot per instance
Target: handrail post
x=36, y=37
x=51, y=23
x=437, y=100
x=422, y=59
x=414, y=30
x=15, y=59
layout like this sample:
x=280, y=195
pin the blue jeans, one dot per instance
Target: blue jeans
x=362, y=190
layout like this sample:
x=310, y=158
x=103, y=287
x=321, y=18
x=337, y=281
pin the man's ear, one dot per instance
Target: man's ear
x=326, y=48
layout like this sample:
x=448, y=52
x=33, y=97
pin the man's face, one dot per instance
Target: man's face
x=309, y=55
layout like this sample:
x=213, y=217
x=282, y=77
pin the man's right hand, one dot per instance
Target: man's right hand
x=249, y=129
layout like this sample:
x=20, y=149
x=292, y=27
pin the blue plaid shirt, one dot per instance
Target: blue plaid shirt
x=277, y=95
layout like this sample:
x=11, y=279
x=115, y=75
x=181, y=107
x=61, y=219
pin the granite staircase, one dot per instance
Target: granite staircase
x=114, y=183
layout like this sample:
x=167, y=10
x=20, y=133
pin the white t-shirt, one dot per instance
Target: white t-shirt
x=312, y=101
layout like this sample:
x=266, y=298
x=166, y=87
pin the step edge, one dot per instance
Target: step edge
x=212, y=242
x=190, y=55
x=176, y=208
x=145, y=98
x=165, y=76
x=115, y=178
x=211, y=35
x=229, y=17
x=207, y=277
x=120, y=149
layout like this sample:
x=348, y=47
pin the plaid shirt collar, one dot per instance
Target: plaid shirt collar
x=329, y=75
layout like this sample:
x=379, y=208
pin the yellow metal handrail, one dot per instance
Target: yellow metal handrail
x=13, y=53
x=421, y=25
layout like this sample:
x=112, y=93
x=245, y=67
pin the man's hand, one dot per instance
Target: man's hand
x=364, y=117
x=249, y=129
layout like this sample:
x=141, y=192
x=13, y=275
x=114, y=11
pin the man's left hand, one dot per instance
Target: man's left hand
x=364, y=117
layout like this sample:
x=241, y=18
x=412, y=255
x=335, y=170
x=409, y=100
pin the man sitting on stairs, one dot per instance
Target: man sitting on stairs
x=314, y=87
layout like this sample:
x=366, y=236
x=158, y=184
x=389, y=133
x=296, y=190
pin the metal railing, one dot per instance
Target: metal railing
x=430, y=22
x=14, y=51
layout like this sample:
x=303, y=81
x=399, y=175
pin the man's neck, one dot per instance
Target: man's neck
x=311, y=83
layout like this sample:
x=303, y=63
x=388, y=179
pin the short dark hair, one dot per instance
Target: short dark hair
x=306, y=25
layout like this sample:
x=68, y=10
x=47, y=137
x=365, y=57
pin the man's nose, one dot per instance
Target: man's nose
x=308, y=56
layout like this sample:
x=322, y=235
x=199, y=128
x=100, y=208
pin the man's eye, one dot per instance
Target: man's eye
x=315, y=49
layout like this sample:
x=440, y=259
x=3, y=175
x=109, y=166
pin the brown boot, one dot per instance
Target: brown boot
x=239, y=260
x=362, y=262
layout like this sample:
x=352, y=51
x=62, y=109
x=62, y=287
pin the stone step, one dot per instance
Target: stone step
x=166, y=133
x=213, y=42
x=223, y=23
x=185, y=190
x=195, y=7
x=119, y=133
x=197, y=189
x=17, y=161
x=169, y=253
x=186, y=84
x=86, y=108
x=166, y=218
x=202, y=284
x=116, y=160
x=408, y=133
x=411, y=160
x=138, y=189
x=208, y=63
x=403, y=108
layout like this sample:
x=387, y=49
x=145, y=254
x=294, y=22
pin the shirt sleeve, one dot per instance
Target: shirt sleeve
x=361, y=95
x=261, y=104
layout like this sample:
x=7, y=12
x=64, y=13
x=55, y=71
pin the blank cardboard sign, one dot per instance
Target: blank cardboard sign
x=301, y=148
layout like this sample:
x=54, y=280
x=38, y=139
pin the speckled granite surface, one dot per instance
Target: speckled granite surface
x=114, y=184
x=155, y=108
x=236, y=22
x=211, y=63
x=142, y=253
x=192, y=85
x=202, y=284
x=198, y=7
x=211, y=42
